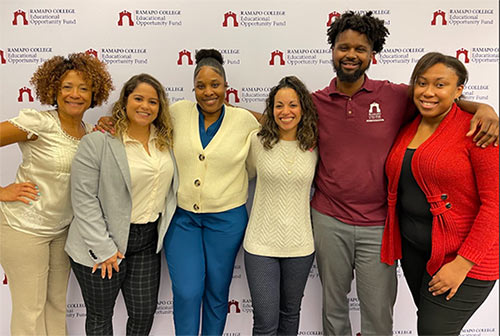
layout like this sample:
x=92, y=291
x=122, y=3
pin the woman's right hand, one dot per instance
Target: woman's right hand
x=23, y=192
x=105, y=124
x=108, y=265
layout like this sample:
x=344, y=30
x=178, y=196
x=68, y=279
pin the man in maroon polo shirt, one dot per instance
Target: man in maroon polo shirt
x=359, y=119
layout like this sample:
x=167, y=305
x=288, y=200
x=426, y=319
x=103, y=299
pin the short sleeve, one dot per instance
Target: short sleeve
x=31, y=121
x=410, y=110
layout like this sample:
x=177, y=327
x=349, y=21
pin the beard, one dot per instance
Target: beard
x=349, y=77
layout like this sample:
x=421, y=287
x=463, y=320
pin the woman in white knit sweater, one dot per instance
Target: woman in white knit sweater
x=279, y=246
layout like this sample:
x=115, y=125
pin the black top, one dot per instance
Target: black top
x=415, y=217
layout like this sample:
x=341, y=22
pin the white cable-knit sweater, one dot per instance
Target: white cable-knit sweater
x=280, y=222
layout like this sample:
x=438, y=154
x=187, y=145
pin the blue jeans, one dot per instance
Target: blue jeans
x=201, y=250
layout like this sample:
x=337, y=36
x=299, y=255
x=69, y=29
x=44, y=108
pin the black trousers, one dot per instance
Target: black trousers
x=276, y=287
x=436, y=315
x=138, y=279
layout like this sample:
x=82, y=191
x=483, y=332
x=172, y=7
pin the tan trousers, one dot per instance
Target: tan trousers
x=37, y=270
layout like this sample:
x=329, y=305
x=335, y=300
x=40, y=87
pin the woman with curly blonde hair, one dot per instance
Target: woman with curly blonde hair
x=278, y=244
x=123, y=190
x=35, y=211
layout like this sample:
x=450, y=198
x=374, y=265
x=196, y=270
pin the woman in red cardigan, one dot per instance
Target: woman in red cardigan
x=443, y=203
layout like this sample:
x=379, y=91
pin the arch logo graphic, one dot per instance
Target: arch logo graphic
x=332, y=16
x=25, y=91
x=435, y=18
x=464, y=17
x=234, y=93
x=478, y=55
x=92, y=52
x=20, y=14
x=125, y=16
x=2, y=57
x=230, y=17
x=277, y=54
x=150, y=17
x=185, y=55
x=45, y=17
x=257, y=19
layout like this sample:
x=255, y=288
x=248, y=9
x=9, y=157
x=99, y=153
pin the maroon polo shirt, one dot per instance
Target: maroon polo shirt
x=355, y=136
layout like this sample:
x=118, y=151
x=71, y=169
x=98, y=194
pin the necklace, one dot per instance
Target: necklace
x=285, y=154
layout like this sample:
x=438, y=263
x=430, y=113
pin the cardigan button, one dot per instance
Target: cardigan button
x=201, y=157
x=448, y=205
x=196, y=207
x=197, y=183
x=444, y=197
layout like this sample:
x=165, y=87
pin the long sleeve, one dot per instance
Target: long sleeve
x=484, y=231
x=89, y=218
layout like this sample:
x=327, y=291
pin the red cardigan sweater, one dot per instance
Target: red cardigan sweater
x=460, y=181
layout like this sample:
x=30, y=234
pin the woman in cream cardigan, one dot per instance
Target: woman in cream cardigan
x=211, y=146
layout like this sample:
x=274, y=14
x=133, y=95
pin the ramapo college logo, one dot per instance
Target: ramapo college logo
x=399, y=55
x=45, y=17
x=232, y=95
x=185, y=57
x=231, y=56
x=477, y=91
x=2, y=57
x=120, y=56
x=25, y=55
x=239, y=306
x=478, y=55
x=255, y=19
x=164, y=307
x=249, y=94
x=75, y=310
x=464, y=17
x=383, y=14
x=301, y=56
x=150, y=18
x=175, y=93
x=25, y=95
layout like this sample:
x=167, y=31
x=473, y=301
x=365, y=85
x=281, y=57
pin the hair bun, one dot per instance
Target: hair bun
x=206, y=53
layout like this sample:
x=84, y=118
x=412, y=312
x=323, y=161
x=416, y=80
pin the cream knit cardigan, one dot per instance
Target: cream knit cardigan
x=213, y=179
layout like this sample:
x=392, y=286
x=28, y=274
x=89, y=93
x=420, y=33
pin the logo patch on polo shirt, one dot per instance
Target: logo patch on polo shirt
x=374, y=113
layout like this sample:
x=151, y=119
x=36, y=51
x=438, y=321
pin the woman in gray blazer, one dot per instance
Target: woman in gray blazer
x=123, y=191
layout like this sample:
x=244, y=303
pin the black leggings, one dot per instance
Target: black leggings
x=277, y=287
x=436, y=315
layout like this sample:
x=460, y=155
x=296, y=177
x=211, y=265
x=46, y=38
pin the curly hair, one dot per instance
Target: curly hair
x=212, y=58
x=366, y=24
x=162, y=122
x=47, y=78
x=307, y=130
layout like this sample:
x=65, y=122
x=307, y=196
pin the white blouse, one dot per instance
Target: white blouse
x=46, y=162
x=151, y=175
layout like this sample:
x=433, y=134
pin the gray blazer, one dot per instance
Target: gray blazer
x=102, y=201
